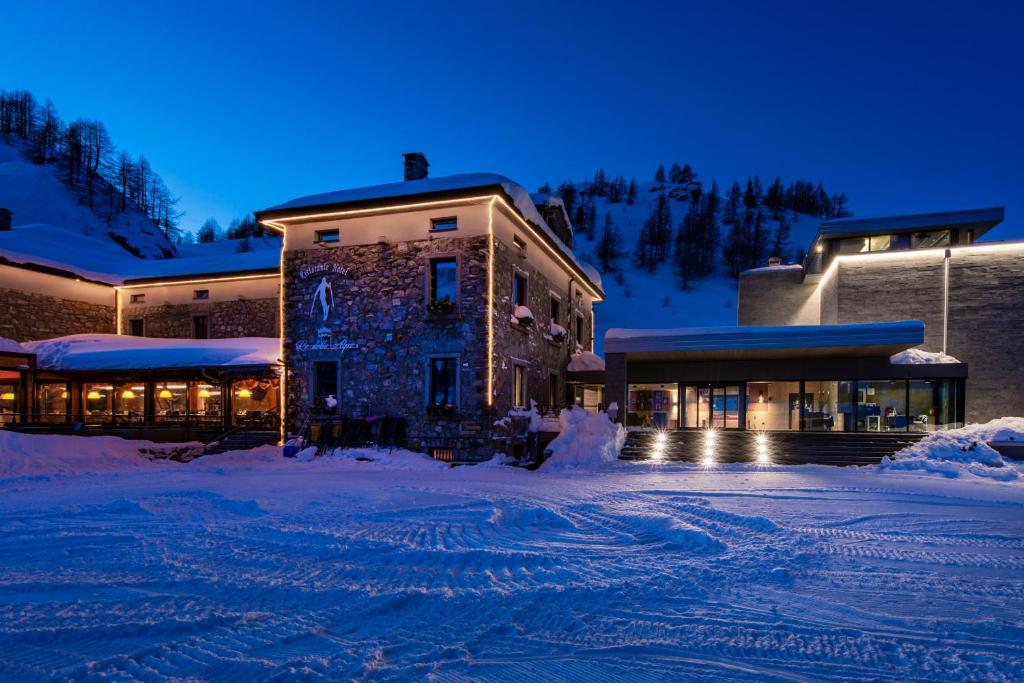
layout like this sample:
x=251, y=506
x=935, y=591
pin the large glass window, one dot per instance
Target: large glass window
x=519, y=386
x=255, y=402
x=882, y=406
x=171, y=398
x=933, y=405
x=725, y=407
x=443, y=389
x=773, y=406
x=9, y=382
x=828, y=406
x=130, y=402
x=863, y=245
x=443, y=280
x=698, y=407
x=653, y=405
x=97, y=403
x=52, y=402
x=934, y=239
x=205, y=403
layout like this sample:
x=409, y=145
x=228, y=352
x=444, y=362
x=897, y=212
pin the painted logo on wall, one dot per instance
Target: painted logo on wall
x=320, y=308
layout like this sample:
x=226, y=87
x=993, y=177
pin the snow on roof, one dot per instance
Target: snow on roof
x=101, y=259
x=462, y=181
x=919, y=357
x=735, y=338
x=775, y=269
x=116, y=352
x=11, y=346
x=981, y=220
x=586, y=361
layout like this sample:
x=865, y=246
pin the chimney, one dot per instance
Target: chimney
x=774, y=261
x=416, y=165
x=5, y=219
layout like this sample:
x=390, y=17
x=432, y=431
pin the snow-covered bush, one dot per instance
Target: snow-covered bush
x=964, y=450
x=556, y=332
x=522, y=316
x=586, y=440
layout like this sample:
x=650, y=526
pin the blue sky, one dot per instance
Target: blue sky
x=904, y=106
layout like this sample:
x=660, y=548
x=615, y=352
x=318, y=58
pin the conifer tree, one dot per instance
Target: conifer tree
x=732, y=205
x=208, y=231
x=567, y=193
x=544, y=189
x=608, y=247
x=631, y=192
x=659, y=175
x=675, y=174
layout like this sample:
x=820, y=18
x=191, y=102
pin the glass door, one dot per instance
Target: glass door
x=717, y=406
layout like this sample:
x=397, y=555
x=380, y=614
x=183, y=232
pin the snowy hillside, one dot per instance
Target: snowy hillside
x=637, y=298
x=35, y=195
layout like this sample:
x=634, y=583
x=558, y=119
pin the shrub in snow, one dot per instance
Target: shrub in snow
x=966, y=450
x=556, y=332
x=586, y=440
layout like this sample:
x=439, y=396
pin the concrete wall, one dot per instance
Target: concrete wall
x=777, y=296
x=40, y=306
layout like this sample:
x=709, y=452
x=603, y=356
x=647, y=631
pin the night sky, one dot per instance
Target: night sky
x=906, y=107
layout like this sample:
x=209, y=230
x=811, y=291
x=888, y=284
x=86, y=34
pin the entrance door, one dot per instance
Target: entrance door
x=715, y=405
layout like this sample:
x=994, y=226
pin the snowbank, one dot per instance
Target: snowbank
x=587, y=440
x=919, y=357
x=585, y=361
x=963, y=451
x=50, y=454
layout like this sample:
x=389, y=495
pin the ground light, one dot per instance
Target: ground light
x=658, y=449
x=709, y=448
x=761, y=440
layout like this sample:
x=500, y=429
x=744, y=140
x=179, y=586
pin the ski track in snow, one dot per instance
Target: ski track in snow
x=377, y=574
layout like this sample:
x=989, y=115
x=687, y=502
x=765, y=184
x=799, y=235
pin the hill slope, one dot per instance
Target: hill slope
x=35, y=195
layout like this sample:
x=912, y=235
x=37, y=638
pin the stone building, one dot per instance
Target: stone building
x=445, y=301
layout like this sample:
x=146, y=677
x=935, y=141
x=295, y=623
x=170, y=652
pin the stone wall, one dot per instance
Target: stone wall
x=225, y=319
x=776, y=296
x=531, y=346
x=26, y=316
x=383, y=335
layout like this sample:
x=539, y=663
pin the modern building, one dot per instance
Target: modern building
x=898, y=324
x=446, y=301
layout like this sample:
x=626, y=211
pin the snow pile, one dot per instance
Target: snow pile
x=585, y=361
x=963, y=451
x=11, y=346
x=556, y=331
x=587, y=440
x=522, y=314
x=50, y=454
x=536, y=422
x=919, y=357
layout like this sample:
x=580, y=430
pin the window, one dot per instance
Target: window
x=52, y=402
x=444, y=279
x=201, y=294
x=882, y=406
x=519, y=386
x=556, y=304
x=444, y=224
x=518, y=289
x=519, y=242
x=325, y=383
x=579, y=329
x=325, y=236
x=200, y=327
x=654, y=405
x=137, y=299
x=863, y=245
x=553, y=390
x=930, y=240
x=136, y=327
x=442, y=391
x=772, y=406
x=130, y=402
x=828, y=406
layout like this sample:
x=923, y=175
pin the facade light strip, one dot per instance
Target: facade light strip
x=490, y=303
x=171, y=283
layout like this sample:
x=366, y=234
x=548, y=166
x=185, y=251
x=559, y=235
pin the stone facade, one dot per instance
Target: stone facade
x=225, y=319
x=27, y=316
x=383, y=336
x=532, y=346
x=776, y=296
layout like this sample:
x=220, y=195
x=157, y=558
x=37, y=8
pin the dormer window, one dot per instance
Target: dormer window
x=137, y=299
x=444, y=224
x=519, y=242
x=201, y=294
x=327, y=236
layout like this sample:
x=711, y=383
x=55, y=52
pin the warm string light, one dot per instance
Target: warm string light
x=490, y=303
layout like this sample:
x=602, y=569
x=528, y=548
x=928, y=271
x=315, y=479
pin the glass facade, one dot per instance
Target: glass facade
x=130, y=400
x=923, y=405
x=97, y=403
x=52, y=402
x=256, y=403
x=205, y=403
x=653, y=405
x=773, y=406
x=9, y=386
x=171, y=401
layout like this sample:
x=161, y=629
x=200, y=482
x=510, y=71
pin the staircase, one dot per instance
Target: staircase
x=242, y=440
x=782, y=448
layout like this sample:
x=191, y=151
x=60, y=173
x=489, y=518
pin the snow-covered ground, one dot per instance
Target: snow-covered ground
x=248, y=566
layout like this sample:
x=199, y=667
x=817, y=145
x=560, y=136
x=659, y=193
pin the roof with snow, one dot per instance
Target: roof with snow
x=978, y=220
x=443, y=187
x=92, y=352
x=886, y=338
x=100, y=259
